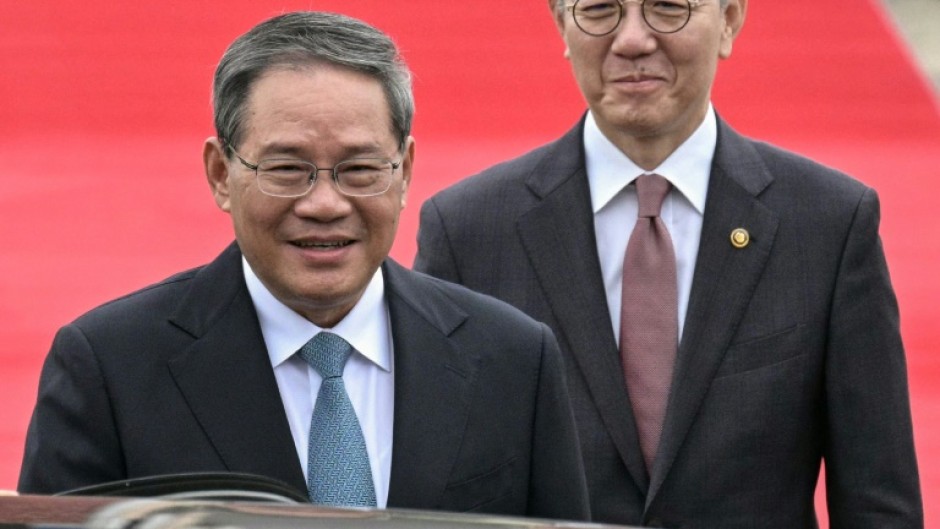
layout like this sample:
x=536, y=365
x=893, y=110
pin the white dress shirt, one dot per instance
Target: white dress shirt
x=368, y=375
x=613, y=197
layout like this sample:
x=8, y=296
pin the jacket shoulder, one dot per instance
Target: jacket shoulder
x=780, y=175
x=509, y=175
x=784, y=165
x=449, y=305
x=794, y=165
x=153, y=302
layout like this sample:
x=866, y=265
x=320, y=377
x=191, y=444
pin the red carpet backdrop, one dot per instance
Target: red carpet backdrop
x=104, y=107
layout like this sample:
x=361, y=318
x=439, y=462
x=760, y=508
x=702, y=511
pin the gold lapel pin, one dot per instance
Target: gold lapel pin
x=740, y=238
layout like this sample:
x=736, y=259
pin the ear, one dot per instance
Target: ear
x=217, y=173
x=733, y=15
x=558, y=15
x=407, y=166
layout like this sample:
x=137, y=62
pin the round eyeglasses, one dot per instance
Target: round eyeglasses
x=292, y=178
x=601, y=17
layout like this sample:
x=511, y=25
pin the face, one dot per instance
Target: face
x=645, y=85
x=316, y=253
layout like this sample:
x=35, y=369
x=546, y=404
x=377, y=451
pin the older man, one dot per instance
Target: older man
x=302, y=352
x=724, y=306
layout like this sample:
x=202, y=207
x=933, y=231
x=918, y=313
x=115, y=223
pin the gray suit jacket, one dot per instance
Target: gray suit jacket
x=791, y=351
x=176, y=378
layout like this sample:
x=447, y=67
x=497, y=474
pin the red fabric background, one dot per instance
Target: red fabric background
x=104, y=106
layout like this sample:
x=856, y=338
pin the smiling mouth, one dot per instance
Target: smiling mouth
x=322, y=245
x=637, y=78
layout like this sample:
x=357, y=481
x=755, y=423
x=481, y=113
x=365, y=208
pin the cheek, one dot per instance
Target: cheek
x=383, y=220
x=588, y=63
x=694, y=67
x=257, y=216
x=240, y=196
x=587, y=60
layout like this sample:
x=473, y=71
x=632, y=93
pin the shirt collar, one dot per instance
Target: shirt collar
x=366, y=327
x=687, y=168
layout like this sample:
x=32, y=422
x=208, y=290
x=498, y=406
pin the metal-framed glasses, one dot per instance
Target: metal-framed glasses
x=601, y=17
x=292, y=177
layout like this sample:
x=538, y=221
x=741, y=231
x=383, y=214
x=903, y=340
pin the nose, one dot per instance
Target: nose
x=633, y=36
x=323, y=202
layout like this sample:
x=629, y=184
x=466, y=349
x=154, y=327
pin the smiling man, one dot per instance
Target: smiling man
x=724, y=306
x=303, y=353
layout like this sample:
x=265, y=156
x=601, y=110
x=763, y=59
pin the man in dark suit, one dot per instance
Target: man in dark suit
x=448, y=400
x=785, y=349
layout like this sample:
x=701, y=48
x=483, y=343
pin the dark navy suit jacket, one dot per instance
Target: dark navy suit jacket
x=791, y=351
x=176, y=378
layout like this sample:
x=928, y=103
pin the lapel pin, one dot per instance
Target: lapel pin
x=740, y=238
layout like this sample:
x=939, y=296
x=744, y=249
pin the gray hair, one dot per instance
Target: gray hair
x=303, y=39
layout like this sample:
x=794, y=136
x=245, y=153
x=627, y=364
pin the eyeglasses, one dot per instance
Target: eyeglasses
x=601, y=17
x=291, y=178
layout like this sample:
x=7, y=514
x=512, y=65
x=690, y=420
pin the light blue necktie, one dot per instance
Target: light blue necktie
x=338, y=471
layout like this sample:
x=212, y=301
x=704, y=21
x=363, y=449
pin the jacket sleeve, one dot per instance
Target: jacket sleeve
x=557, y=484
x=72, y=440
x=871, y=468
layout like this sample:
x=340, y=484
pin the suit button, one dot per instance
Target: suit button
x=654, y=522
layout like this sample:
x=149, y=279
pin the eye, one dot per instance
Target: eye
x=359, y=166
x=596, y=9
x=363, y=173
x=669, y=8
x=284, y=166
x=282, y=176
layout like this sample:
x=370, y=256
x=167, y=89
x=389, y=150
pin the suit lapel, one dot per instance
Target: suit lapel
x=724, y=281
x=432, y=388
x=559, y=237
x=226, y=376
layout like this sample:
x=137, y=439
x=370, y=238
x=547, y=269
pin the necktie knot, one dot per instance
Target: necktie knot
x=327, y=353
x=651, y=190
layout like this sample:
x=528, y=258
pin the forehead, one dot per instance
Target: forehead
x=317, y=102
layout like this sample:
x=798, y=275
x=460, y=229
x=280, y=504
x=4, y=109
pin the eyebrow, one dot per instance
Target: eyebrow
x=294, y=150
x=282, y=148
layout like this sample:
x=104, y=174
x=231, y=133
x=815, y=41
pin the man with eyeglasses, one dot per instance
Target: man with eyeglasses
x=724, y=306
x=303, y=353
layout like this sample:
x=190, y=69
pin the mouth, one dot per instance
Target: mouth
x=638, y=84
x=637, y=78
x=322, y=245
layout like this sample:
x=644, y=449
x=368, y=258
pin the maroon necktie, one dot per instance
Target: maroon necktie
x=649, y=327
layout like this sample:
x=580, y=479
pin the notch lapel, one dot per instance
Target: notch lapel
x=226, y=376
x=724, y=281
x=558, y=235
x=432, y=389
